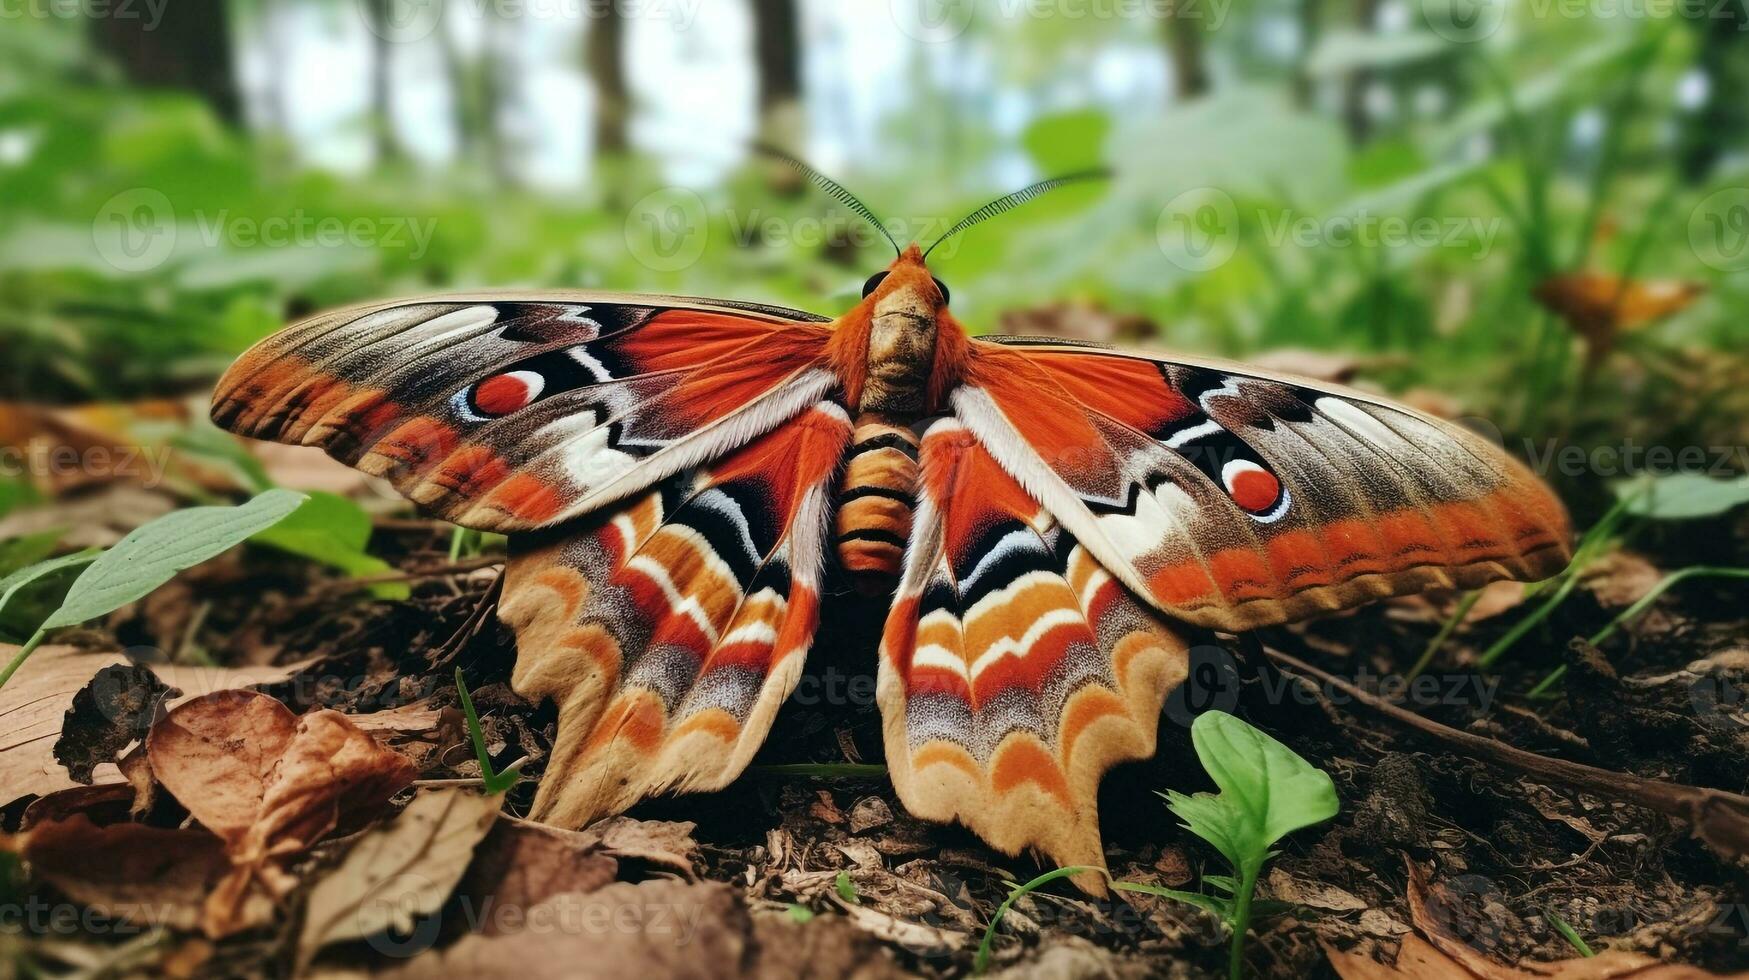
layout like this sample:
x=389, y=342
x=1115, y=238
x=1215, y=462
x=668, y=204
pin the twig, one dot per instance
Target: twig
x=1716, y=817
x=408, y=574
x=487, y=605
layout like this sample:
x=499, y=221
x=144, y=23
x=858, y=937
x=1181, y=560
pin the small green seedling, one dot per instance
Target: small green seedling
x=496, y=782
x=846, y=888
x=800, y=913
x=147, y=558
x=1015, y=894
x=1267, y=792
x=1570, y=934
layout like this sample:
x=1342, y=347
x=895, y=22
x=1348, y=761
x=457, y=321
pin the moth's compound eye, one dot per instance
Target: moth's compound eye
x=943, y=287
x=873, y=283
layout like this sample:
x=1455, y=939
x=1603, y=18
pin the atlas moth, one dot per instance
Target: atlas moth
x=682, y=479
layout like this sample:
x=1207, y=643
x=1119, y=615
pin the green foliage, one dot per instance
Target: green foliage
x=1015, y=893
x=1682, y=496
x=495, y=782
x=1570, y=934
x=146, y=558
x=846, y=888
x=152, y=554
x=1266, y=792
x=22, y=578
x=334, y=531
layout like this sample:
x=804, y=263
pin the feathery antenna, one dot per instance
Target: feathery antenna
x=1009, y=202
x=831, y=187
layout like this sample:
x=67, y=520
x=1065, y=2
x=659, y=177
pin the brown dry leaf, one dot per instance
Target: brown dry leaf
x=309, y=468
x=521, y=864
x=1078, y=320
x=399, y=872
x=86, y=444
x=1601, y=307
x=1284, y=887
x=656, y=928
x=142, y=875
x=96, y=519
x=1620, y=578
x=269, y=783
x=1437, y=953
x=1417, y=959
x=1437, y=607
x=35, y=703
x=215, y=754
x=666, y=844
x=32, y=705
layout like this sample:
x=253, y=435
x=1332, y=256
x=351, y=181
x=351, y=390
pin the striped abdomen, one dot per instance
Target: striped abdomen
x=875, y=500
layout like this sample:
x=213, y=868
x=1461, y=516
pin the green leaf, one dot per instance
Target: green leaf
x=13, y=583
x=1267, y=790
x=495, y=782
x=333, y=530
x=1067, y=141
x=846, y=888
x=800, y=913
x=1214, y=904
x=1015, y=894
x=1682, y=496
x=22, y=552
x=156, y=551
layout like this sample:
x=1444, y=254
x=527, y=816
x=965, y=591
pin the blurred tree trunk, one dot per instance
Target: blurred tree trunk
x=604, y=51
x=1721, y=119
x=777, y=56
x=274, y=41
x=382, y=121
x=1354, y=113
x=1187, y=48
x=495, y=94
x=1311, y=15
x=187, y=48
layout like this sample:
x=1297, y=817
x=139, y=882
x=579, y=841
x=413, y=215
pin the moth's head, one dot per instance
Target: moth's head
x=907, y=277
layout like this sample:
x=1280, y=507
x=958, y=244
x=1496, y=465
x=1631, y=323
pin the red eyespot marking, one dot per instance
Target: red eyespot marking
x=504, y=393
x=1252, y=487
